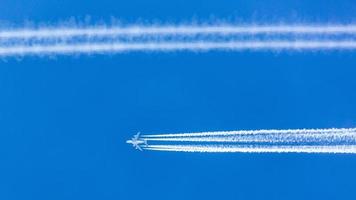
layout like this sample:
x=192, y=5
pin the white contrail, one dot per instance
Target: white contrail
x=121, y=47
x=253, y=132
x=334, y=140
x=256, y=148
x=63, y=32
x=266, y=138
x=122, y=39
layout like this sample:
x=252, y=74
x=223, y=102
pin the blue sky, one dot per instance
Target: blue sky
x=64, y=120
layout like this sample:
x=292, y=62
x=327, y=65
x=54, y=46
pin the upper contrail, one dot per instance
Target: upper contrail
x=161, y=38
x=253, y=132
x=63, y=32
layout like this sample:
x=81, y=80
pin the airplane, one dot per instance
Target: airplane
x=137, y=142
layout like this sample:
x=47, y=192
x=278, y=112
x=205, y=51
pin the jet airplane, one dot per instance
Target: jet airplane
x=137, y=142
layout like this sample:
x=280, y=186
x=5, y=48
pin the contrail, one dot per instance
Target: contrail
x=264, y=131
x=333, y=140
x=255, y=148
x=163, y=38
x=63, y=32
x=120, y=47
x=271, y=138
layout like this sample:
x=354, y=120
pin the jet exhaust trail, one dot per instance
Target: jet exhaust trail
x=256, y=149
x=334, y=140
x=271, y=131
x=175, y=30
x=273, y=138
x=195, y=38
x=99, y=48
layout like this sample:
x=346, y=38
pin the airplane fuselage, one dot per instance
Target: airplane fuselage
x=136, y=142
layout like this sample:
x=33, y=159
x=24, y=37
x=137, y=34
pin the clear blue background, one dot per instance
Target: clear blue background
x=64, y=120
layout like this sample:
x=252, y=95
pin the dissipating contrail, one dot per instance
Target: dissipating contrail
x=177, y=30
x=168, y=38
x=333, y=140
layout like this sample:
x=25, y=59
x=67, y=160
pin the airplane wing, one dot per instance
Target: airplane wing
x=138, y=147
x=137, y=136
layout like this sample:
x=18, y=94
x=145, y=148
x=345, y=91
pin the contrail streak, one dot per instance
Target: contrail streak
x=271, y=138
x=121, y=47
x=163, y=38
x=333, y=140
x=252, y=132
x=176, y=30
x=256, y=149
